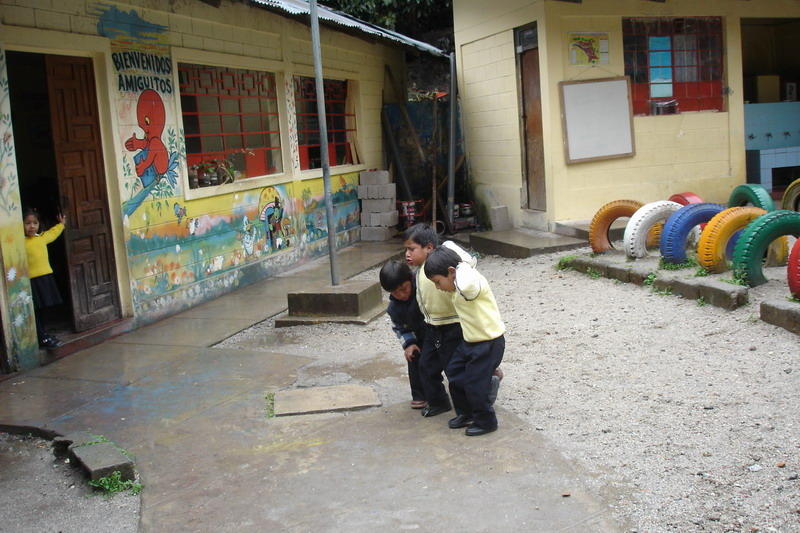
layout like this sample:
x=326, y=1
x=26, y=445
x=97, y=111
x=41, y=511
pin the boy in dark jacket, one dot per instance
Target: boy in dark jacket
x=407, y=322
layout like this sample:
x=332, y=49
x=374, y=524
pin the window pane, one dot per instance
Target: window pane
x=211, y=104
x=660, y=90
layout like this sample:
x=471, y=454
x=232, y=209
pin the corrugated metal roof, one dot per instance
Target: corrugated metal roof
x=326, y=14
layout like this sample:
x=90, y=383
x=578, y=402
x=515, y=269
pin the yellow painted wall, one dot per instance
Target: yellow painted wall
x=702, y=152
x=234, y=35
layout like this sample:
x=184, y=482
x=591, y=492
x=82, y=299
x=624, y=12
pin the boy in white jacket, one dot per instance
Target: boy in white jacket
x=471, y=367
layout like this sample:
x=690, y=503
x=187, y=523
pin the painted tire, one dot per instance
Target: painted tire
x=752, y=194
x=685, y=198
x=791, y=197
x=755, y=240
x=602, y=220
x=678, y=227
x=635, y=239
x=721, y=230
x=793, y=270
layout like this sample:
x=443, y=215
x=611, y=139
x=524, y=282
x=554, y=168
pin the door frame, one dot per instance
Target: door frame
x=98, y=49
x=519, y=48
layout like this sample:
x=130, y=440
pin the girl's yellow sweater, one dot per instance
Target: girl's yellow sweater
x=36, y=247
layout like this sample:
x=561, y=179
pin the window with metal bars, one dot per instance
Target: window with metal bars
x=341, y=123
x=230, y=122
x=675, y=64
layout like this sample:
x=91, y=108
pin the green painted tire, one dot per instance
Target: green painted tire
x=752, y=194
x=756, y=238
x=791, y=197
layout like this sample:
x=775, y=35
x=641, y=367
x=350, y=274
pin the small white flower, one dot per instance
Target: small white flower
x=19, y=320
x=12, y=274
x=177, y=248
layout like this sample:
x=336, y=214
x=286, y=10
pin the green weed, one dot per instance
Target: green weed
x=689, y=263
x=794, y=299
x=666, y=291
x=701, y=301
x=593, y=273
x=270, y=405
x=565, y=263
x=114, y=483
x=650, y=279
x=701, y=272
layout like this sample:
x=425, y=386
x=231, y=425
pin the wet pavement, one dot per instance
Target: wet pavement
x=211, y=459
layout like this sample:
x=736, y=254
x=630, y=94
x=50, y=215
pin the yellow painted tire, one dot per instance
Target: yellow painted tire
x=720, y=229
x=791, y=197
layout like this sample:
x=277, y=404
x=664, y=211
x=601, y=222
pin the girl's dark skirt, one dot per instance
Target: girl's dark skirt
x=45, y=291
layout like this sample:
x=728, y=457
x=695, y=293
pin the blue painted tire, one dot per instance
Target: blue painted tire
x=679, y=225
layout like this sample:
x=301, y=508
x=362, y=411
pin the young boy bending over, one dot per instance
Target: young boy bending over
x=476, y=358
x=407, y=322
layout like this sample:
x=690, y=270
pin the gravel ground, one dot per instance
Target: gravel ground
x=687, y=414
x=41, y=493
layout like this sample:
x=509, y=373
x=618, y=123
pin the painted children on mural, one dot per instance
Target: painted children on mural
x=43, y=284
x=471, y=367
x=407, y=322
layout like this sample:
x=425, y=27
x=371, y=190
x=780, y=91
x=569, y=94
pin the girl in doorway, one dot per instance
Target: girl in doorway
x=43, y=283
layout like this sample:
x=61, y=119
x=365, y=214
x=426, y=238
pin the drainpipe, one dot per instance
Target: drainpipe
x=451, y=160
x=323, y=141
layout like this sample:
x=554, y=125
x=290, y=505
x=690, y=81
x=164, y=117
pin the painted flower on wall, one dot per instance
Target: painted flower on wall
x=12, y=274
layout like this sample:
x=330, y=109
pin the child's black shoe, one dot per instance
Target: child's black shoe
x=49, y=342
x=433, y=410
x=474, y=431
x=460, y=421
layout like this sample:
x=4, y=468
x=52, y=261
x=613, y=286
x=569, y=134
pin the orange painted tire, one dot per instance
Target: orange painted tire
x=685, y=198
x=606, y=215
x=793, y=270
x=720, y=229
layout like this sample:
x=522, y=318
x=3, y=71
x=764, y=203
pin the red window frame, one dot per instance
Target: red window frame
x=230, y=118
x=697, y=63
x=341, y=124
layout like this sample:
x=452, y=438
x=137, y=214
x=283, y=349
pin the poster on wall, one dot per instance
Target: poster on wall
x=587, y=49
x=148, y=136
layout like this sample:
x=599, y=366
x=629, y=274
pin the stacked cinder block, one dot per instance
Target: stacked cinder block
x=378, y=205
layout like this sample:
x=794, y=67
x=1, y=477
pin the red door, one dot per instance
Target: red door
x=81, y=181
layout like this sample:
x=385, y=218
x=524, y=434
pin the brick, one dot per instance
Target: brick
x=49, y=20
x=180, y=24
x=686, y=288
x=377, y=234
x=374, y=177
x=781, y=313
x=101, y=460
x=721, y=294
x=70, y=7
x=192, y=41
x=85, y=25
x=499, y=218
x=18, y=16
x=386, y=219
x=377, y=206
x=388, y=190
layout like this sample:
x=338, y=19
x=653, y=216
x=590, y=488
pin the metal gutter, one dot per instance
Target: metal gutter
x=337, y=18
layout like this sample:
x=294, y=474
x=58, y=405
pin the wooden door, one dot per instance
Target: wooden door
x=81, y=181
x=532, y=122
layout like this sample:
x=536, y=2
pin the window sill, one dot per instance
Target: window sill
x=237, y=186
x=335, y=171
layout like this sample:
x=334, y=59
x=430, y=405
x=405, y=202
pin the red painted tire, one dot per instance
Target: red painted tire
x=686, y=198
x=793, y=270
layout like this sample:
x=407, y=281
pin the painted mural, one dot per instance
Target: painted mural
x=20, y=339
x=182, y=252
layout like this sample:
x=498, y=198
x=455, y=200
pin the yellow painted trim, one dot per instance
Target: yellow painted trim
x=335, y=171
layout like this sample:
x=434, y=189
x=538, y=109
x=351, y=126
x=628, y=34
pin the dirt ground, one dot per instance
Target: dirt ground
x=687, y=412
x=41, y=493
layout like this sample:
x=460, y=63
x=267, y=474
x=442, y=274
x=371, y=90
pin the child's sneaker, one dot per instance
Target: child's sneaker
x=493, y=390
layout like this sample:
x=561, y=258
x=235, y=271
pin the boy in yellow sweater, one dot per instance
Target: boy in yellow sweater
x=43, y=284
x=476, y=358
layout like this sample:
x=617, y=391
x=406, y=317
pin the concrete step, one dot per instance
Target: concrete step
x=521, y=242
x=580, y=229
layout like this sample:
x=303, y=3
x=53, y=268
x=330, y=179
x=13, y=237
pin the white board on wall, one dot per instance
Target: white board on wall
x=597, y=119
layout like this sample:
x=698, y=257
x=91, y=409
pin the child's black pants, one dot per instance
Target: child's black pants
x=438, y=347
x=470, y=374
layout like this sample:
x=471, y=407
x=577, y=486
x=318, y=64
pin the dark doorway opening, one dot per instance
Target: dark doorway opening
x=36, y=169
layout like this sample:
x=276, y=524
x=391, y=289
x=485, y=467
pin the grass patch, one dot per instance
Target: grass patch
x=701, y=301
x=666, y=291
x=691, y=262
x=114, y=483
x=735, y=281
x=701, y=272
x=793, y=299
x=269, y=406
x=593, y=273
x=650, y=279
x=100, y=439
x=565, y=263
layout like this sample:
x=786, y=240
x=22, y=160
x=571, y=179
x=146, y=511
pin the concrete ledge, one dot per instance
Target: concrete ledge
x=619, y=272
x=721, y=294
x=349, y=298
x=101, y=460
x=782, y=313
x=519, y=244
x=638, y=274
x=286, y=320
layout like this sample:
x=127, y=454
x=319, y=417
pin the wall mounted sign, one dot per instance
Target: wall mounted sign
x=587, y=49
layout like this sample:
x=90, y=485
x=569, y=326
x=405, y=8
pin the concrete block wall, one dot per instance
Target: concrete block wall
x=379, y=215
